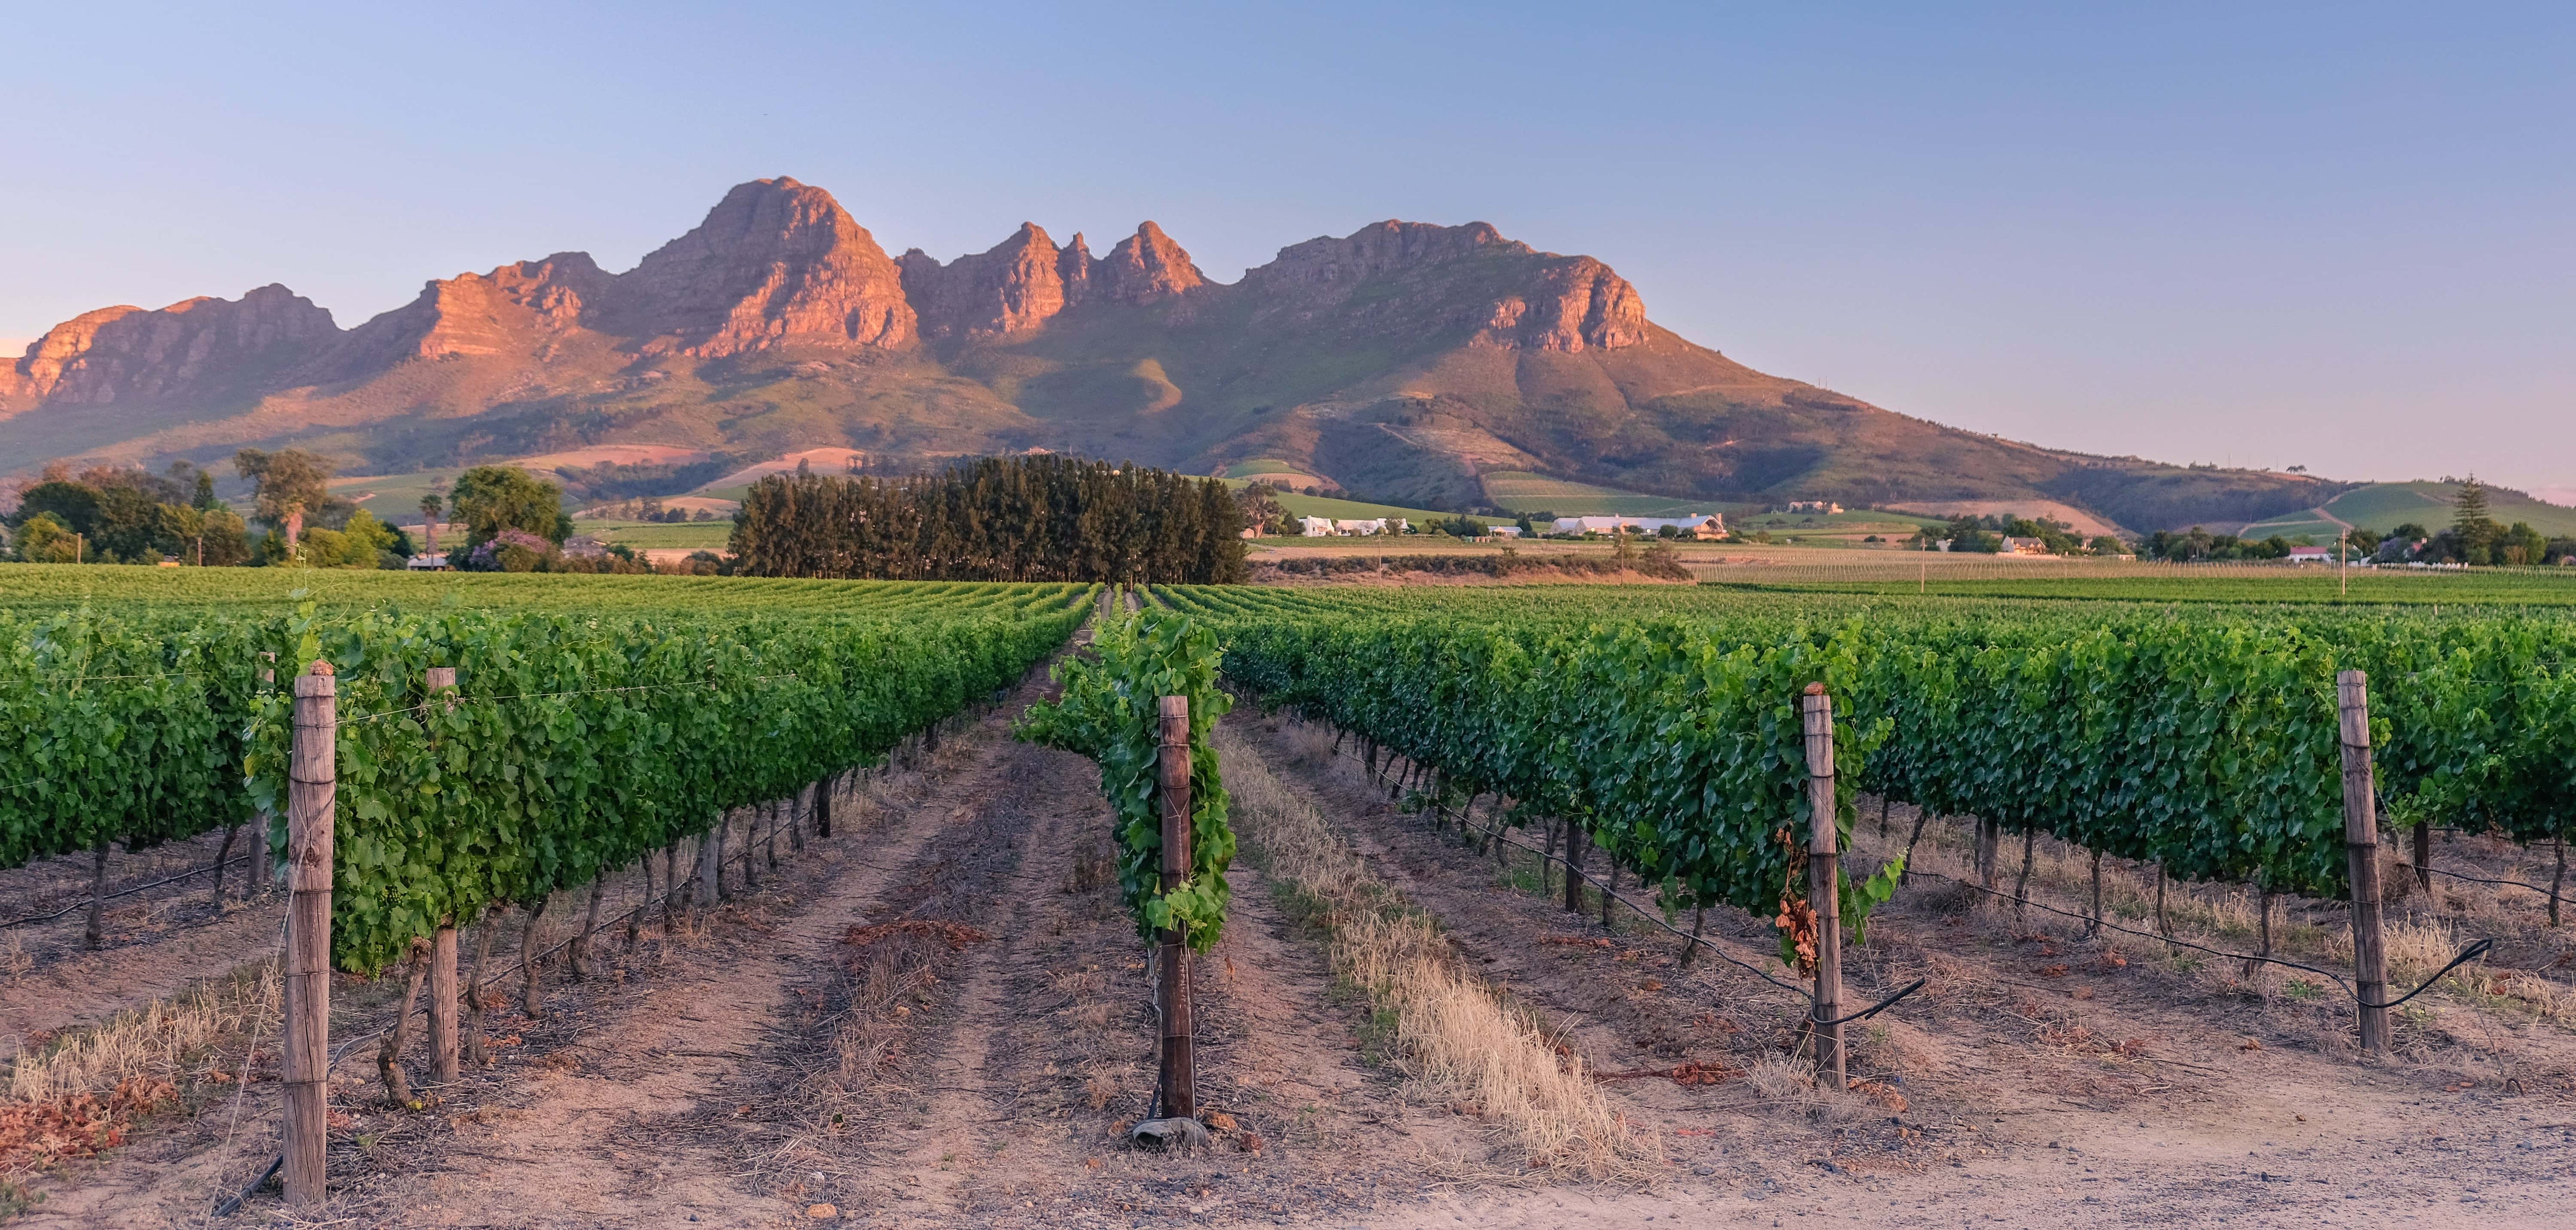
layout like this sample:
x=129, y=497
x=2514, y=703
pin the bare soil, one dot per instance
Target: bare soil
x=2120, y=1095
x=941, y=1017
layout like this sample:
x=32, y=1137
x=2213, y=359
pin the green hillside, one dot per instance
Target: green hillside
x=2381, y=507
x=1356, y=510
x=1522, y=491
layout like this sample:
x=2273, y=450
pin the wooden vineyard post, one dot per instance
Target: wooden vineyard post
x=1822, y=885
x=312, y=777
x=1179, y=1085
x=2361, y=846
x=442, y=954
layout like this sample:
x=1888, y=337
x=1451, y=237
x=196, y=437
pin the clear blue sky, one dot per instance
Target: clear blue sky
x=2336, y=235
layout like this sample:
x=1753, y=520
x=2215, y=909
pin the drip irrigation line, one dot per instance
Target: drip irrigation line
x=1651, y=916
x=2479, y=879
x=1876, y=1008
x=83, y=903
x=233, y=1203
x=2476, y=949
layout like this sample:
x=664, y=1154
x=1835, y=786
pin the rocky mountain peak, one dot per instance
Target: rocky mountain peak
x=1384, y=248
x=514, y=310
x=1145, y=267
x=126, y=353
x=1013, y=288
x=1073, y=269
x=775, y=262
x=1511, y=294
x=1574, y=303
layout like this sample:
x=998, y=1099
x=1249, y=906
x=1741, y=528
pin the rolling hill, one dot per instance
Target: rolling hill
x=2382, y=507
x=1422, y=365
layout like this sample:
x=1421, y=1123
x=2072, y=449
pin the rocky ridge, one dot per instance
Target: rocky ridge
x=1405, y=359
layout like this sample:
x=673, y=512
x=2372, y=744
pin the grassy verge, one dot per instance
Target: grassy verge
x=1443, y=1026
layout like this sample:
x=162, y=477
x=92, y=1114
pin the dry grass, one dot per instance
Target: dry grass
x=80, y=1092
x=1450, y=1031
x=2229, y=916
x=169, y=1039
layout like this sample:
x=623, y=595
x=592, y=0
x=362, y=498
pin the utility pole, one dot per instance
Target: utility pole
x=2343, y=562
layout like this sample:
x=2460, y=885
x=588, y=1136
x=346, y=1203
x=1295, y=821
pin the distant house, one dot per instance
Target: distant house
x=2023, y=546
x=2311, y=555
x=1502, y=531
x=1372, y=525
x=1315, y=527
x=1814, y=506
x=1697, y=525
x=426, y=563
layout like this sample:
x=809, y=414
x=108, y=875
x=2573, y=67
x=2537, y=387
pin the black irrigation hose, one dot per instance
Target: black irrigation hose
x=232, y=1204
x=2474, y=950
x=83, y=903
x=2478, y=949
x=1499, y=834
x=2480, y=879
x=1876, y=1008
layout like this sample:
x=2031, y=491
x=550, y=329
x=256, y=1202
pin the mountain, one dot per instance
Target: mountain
x=1403, y=362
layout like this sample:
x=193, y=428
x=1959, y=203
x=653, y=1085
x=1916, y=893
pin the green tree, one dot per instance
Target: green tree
x=431, y=504
x=205, y=500
x=287, y=485
x=2522, y=545
x=1262, y=510
x=72, y=505
x=490, y=499
x=225, y=538
x=2475, y=531
x=44, y=539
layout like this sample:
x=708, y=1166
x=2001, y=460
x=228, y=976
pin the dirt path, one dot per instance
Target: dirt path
x=2021, y=1106
x=1040, y=1050
x=157, y=939
x=941, y=1017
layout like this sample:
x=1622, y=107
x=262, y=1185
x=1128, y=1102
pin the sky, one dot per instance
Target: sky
x=2341, y=236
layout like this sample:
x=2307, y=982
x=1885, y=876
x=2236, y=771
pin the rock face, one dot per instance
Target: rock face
x=1146, y=267
x=196, y=345
x=512, y=310
x=1014, y=288
x=1514, y=296
x=1406, y=358
x=775, y=262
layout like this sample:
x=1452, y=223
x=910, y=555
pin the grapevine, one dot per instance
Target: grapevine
x=1108, y=712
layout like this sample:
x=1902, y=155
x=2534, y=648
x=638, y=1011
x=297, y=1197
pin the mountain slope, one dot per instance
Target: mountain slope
x=1404, y=361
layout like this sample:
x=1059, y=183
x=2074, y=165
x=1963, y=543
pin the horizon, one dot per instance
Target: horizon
x=2341, y=243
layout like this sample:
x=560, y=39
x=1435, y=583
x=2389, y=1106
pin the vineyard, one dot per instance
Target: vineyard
x=1441, y=892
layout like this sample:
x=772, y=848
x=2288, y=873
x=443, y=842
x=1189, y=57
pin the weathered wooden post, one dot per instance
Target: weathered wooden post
x=312, y=776
x=442, y=950
x=2361, y=847
x=1179, y=1085
x=1823, y=891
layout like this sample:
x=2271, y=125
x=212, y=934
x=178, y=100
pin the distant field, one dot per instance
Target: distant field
x=1521, y=491
x=2242, y=583
x=710, y=535
x=2382, y=507
x=393, y=497
x=1278, y=473
x=1353, y=510
x=2317, y=529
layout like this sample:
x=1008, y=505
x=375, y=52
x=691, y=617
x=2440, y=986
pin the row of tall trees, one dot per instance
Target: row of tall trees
x=1030, y=518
